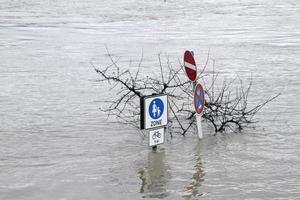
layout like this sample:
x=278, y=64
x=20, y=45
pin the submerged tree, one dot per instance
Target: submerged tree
x=226, y=107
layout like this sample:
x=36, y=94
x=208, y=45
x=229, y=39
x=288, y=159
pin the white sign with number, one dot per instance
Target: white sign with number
x=156, y=137
x=156, y=111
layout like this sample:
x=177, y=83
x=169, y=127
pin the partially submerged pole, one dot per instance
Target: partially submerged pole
x=154, y=148
x=199, y=126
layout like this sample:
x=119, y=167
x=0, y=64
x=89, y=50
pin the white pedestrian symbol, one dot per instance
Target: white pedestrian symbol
x=155, y=110
x=158, y=111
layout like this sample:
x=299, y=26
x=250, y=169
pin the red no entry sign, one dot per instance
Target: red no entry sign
x=190, y=65
x=199, y=98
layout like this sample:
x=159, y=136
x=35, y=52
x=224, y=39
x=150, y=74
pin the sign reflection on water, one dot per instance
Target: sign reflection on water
x=155, y=176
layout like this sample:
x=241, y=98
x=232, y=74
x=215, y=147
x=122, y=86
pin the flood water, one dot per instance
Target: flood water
x=55, y=143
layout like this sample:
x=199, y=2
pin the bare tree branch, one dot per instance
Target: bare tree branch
x=226, y=107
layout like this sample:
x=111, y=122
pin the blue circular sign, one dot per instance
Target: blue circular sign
x=156, y=108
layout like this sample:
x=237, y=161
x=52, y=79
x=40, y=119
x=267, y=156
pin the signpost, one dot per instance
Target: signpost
x=199, y=106
x=191, y=72
x=154, y=116
x=190, y=65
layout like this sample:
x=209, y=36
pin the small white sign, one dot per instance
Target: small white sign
x=156, y=137
x=156, y=111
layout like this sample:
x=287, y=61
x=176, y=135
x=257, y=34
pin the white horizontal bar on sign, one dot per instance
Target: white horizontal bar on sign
x=189, y=65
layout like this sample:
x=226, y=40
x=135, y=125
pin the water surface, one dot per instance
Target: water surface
x=56, y=144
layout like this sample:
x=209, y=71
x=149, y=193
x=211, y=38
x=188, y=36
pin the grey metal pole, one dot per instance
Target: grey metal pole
x=154, y=148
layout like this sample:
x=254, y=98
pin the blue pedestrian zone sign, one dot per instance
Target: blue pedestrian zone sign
x=156, y=108
x=154, y=111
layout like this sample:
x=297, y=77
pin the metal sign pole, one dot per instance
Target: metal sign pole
x=154, y=148
x=199, y=125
